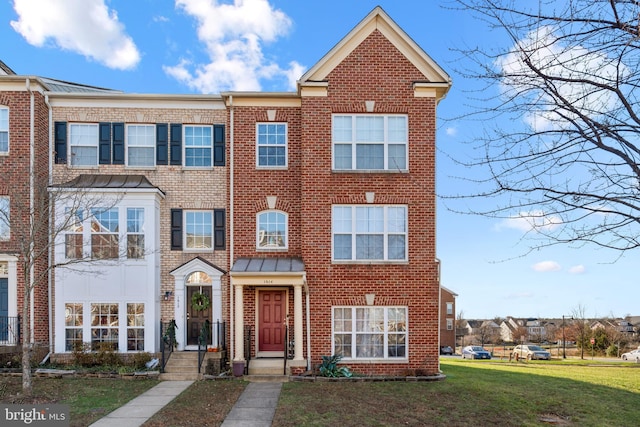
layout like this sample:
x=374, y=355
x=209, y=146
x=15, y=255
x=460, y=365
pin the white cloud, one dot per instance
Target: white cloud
x=234, y=35
x=451, y=131
x=577, y=269
x=555, y=59
x=87, y=27
x=546, y=266
x=532, y=220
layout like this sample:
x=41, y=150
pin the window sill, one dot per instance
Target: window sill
x=142, y=168
x=197, y=168
x=370, y=171
x=372, y=361
x=369, y=262
x=272, y=168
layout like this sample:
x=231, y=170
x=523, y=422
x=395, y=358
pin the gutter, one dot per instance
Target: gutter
x=31, y=207
x=50, y=242
x=231, y=214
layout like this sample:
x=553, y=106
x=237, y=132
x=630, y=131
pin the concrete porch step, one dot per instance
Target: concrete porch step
x=175, y=376
x=268, y=367
x=266, y=378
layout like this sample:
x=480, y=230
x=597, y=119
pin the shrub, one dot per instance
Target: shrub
x=612, y=350
x=329, y=367
x=139, y=360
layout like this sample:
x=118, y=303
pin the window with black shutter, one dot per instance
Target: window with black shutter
x=176, y=229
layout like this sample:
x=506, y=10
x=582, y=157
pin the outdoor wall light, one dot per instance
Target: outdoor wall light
x=168, y=295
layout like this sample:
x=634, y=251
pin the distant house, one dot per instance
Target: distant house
x=447, y=317
x=535, y=329
x=620, y=325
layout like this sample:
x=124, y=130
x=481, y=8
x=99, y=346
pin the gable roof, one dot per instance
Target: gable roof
x=378, y=19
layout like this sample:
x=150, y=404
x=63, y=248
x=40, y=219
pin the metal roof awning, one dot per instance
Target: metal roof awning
x=271, y=271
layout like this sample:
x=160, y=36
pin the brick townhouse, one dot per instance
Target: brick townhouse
x=23, y=191
x=306, y=218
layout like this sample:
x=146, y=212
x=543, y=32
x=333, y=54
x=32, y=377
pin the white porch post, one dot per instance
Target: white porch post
x=297, y=322
x=239, y=324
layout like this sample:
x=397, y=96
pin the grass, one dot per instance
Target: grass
x=572, y=393
x=474, y=393
x=89, y=399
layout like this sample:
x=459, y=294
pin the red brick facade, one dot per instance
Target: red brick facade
x=28, y=125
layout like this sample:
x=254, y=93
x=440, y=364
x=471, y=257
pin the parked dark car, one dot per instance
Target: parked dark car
x=475, y=352
x=446, y=349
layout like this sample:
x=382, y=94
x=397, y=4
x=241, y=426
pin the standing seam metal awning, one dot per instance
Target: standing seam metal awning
x=268, y=271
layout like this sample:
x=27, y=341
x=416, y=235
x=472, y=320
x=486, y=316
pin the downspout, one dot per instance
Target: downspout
x=306, y=286
x=231, y=215
x=51, y=222
x=31, y=207
x=439, y=311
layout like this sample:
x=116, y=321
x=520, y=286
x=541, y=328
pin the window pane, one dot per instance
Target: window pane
x=83, y=141
x=343, y=156
x=4, y=130
x=199, y=230
x=342, y=219
x=342, y=248
x=370, y=129
x=397, y=157
x=370, y=156
x=342, y=129
x=397, y=129
x=4, y=218
x=272, y=230
x=104, y=325
x=397, y=220
x=369, y=220
x=272, y=140
x=369, y=247
x=198, y=146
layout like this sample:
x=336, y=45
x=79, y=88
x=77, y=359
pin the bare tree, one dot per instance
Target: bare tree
x=34, y=231
x=580, y=327
x=461, y=330
x=561, y=112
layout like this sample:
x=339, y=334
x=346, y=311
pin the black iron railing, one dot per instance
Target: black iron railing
x=247, y=348
x=168, y=341
x=203, y=338
x=9, y=330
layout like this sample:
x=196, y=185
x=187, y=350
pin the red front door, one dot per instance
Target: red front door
x=272, y=316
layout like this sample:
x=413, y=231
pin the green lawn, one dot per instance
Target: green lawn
x=474, y=393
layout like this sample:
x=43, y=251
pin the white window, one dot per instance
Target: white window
x=135, y=233
x=272, y=230
x=135, y=327
x=73, y=326
x=449, y=308
x=83, y=143
x=198, y=146
x=73, y=238
x=104, y=234
x=4, y=130
x=449, y=324
x=141, y=145
x=377, y=233
x=370, y=332
x=272, y=145
x=5, y=229
x=104, y=326
x=198, y=230
x=370, y=142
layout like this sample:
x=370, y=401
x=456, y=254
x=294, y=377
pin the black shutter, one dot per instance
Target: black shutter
x=219, y=229
x=162, y=144
x=118, y=143
x=60, y=142
x=104, y=143
x=176, y=229
x=218, y=145
x=176, y=144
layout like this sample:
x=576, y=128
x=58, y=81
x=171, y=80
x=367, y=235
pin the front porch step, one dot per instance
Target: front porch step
x=173, y=376
x=268, y=367
x=266, y=378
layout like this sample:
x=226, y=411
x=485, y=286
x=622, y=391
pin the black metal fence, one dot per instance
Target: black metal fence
x=9, y=330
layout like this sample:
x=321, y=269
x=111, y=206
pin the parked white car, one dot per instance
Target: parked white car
x=633, y=355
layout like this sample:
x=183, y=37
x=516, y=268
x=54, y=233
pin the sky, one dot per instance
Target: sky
x=208, y=46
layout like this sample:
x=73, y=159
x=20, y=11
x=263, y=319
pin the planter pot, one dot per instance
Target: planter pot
x=238, y=368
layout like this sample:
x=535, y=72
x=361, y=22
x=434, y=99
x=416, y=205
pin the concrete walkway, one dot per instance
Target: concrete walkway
x=140, y=409
x=255, y=407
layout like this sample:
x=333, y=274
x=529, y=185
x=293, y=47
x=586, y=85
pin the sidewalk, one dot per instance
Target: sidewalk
x=255, y=407
x=140, y=409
